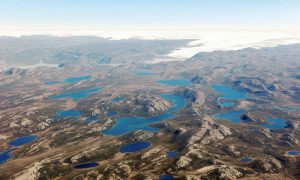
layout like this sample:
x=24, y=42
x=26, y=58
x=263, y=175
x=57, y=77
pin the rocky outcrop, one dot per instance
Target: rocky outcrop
x=194, y=95
x=202, y=163
x=26, y=122
x=290, y=138
x=151, y=152
x=118, y=172
x=3, y=137
x=199, y=80
x=184, y=161
x=42, y=125
x=141, y=135
x=208, y=132
x=32, y=173
x=270, y=165
x=84, y=155
x=231, y=150
x=242, y=104
x=144, y=104
x=256, y=86
x=123, y=170
x=215, y=172
x=293, y=124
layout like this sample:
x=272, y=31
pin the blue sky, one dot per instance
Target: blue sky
x=31, y=14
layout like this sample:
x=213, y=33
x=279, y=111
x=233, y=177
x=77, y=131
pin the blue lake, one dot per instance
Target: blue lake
x=5, y=156
x=171, y=154
x=111, y=114
x=134, y=147
x=144, y=73
x=228, y=92
x=86, y=165
x=175, y=82
x=76, y=79
x=91, y=118
x=117, y=99
x=22, y=140
x=69, y=80
x=275, y=123
x=226, y=103
x=166, y=177
x=144, y=67
x=68, y=113
x=297, y=77
x=293, y=153
x=246, y=160
x=233, y=116
x=78, y=94
x=52, y=82
x=129, y=124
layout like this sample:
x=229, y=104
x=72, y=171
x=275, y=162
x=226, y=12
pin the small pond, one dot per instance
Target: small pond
x=78, y=94
x=68, y=113
x=134, y=147
x=86, y=165
x=233, y=116
x=111, y=114
x=117, y=99
x=52, y=82
x=22, y=140
x=246, y=160
x=76, y=79
x=275, y=123
x=175, y=82
x=5, y=156
x=144, y=73
x=293, y=153
x=228, y=92
x=171, y=154
x=166, y=177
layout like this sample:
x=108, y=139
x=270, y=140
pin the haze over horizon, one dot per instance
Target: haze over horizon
x=66, y=17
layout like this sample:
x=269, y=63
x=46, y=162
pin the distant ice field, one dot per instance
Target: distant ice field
x=201, y=40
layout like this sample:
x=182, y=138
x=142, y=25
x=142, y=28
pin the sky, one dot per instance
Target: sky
x=83, y=15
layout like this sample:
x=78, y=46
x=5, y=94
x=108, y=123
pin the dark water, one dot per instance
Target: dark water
x=117, y=99
x=166, y=177
x=246, y=160
x=134, y=147
x=175, y=82
x=275, y=123
x=78, y=94
x=172, y=154
x=129, y=124
x=5, y=156
x=293, y=153
x=233, y=116
x=86, y=165
x=76, y=79
x=68, y=113
x=22, y=140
